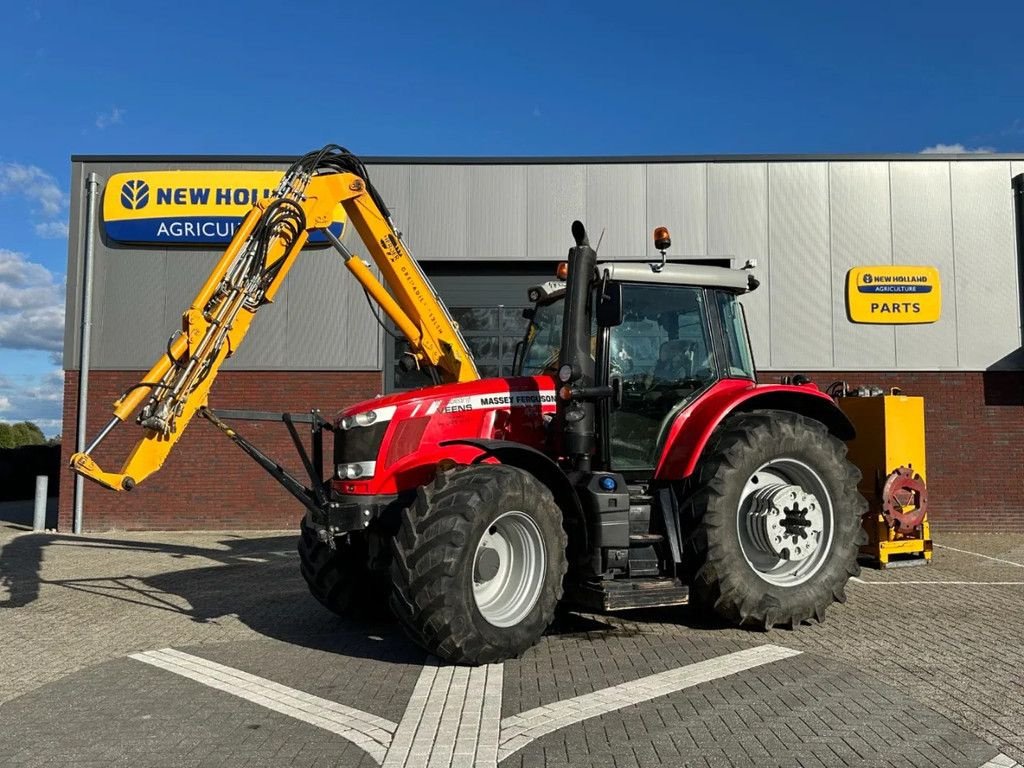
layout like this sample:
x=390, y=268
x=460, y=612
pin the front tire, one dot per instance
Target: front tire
x=775, y=521
x=478, y=564
x=339, y=577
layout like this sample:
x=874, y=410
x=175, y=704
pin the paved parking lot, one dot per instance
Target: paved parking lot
x=205, y=649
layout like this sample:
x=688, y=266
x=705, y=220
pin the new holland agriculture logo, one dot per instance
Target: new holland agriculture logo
x=893, y=295
x=134, y=194
x=188, y=207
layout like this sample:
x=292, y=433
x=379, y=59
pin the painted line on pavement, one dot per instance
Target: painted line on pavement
x=959, y=583
x=519, y=730
x=453, y=719
x=978, y=554
x=1001, y=761
x=371, y=733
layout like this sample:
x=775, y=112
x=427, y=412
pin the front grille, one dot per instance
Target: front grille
x=358, y=444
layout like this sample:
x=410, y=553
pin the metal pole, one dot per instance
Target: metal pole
x=91, y=186
x=39, y=512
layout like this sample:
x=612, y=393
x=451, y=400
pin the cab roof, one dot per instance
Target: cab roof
x=738, y=280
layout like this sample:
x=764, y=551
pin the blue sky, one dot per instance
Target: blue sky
x=461, y=78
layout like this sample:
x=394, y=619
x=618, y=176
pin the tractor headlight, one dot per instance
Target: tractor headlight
x=366, y=418
x=355, y=470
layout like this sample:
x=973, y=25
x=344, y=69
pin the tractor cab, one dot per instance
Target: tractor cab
x=659, y=335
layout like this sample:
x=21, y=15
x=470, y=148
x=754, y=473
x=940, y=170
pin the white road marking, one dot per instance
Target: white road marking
x=1001, y=761
x=519, y=730
x=961, y=583
x=978, y=554
x=371, y=733
x=453, y=719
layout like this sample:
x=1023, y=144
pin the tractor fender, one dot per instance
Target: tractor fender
x=544, y=469
x=692, y=429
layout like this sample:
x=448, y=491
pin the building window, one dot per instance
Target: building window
x=491, y=332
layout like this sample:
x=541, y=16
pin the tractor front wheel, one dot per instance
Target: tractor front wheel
x=774, y=522
x=339, y=577
x=478, y=564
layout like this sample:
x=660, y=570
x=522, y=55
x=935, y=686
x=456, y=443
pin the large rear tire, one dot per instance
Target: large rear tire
x=775, y=522
x=478, y=564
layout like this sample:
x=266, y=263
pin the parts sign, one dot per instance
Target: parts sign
x=893, y=295
x=188, y=207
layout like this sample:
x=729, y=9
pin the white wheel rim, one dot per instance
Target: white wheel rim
x=505, y=598
x=785, y=522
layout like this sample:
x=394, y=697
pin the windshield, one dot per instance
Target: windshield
x=543, y=340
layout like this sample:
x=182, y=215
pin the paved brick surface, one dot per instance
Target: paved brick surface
x=933, y=669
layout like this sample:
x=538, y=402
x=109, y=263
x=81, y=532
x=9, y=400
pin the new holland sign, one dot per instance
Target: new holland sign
x=893, y=295
x=188, y=207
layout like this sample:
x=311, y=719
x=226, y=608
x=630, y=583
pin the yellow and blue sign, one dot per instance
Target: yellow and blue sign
x=188, y=207
x=893, y=295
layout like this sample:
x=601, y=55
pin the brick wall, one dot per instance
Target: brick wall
x=974, y=430
x=974, y=437
x=206, y=482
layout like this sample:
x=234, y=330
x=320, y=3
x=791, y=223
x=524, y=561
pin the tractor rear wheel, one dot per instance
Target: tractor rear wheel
x=775, y=521
x=478, y=564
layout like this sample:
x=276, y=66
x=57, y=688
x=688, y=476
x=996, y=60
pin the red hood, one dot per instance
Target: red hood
x=445, y=392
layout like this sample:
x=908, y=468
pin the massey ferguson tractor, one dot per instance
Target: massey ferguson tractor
x=631, y=461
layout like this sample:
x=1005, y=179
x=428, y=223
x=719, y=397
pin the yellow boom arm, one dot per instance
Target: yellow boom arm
x=248, y=276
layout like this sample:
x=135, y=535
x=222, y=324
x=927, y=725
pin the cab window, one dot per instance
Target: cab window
x=663, y=353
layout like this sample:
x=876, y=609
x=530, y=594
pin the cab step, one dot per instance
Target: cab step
x=622, y=594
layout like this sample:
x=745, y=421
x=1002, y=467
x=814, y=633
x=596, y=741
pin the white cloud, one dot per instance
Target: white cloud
x=34, y=184
x=956, y=149
x=52, y=230
x=31, y=305
x=107, y=119
x=36, y=398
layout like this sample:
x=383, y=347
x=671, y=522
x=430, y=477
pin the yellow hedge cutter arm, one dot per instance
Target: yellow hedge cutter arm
x=248, y=276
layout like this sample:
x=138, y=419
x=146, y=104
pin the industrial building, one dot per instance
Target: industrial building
x=485, y=229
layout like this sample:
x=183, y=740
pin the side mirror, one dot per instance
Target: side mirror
x=609, y=304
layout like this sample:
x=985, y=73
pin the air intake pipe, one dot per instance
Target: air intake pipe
x=576, y=362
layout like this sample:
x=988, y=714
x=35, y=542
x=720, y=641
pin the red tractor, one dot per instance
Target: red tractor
x=632, y=461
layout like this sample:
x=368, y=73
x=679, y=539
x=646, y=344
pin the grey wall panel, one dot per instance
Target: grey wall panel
x=677, y=198
x=555, y=196
x=439, y=214
x=393, y=182
x=266, y=344
x=922, y=233
x=986, y=288
x=738, y=227
x=329, y=322
x=76, y=247
x=128, y=300
x=861, y=234
x=788, y=215
x=616, y=204
x=497, y=212
x=801, y=291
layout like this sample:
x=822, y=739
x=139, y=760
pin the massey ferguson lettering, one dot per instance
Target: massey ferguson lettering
x=498, y=399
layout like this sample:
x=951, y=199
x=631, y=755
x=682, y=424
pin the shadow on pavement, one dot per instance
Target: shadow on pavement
x=257, y=581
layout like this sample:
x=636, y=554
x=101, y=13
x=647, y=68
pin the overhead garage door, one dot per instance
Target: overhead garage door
x=487, y=302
